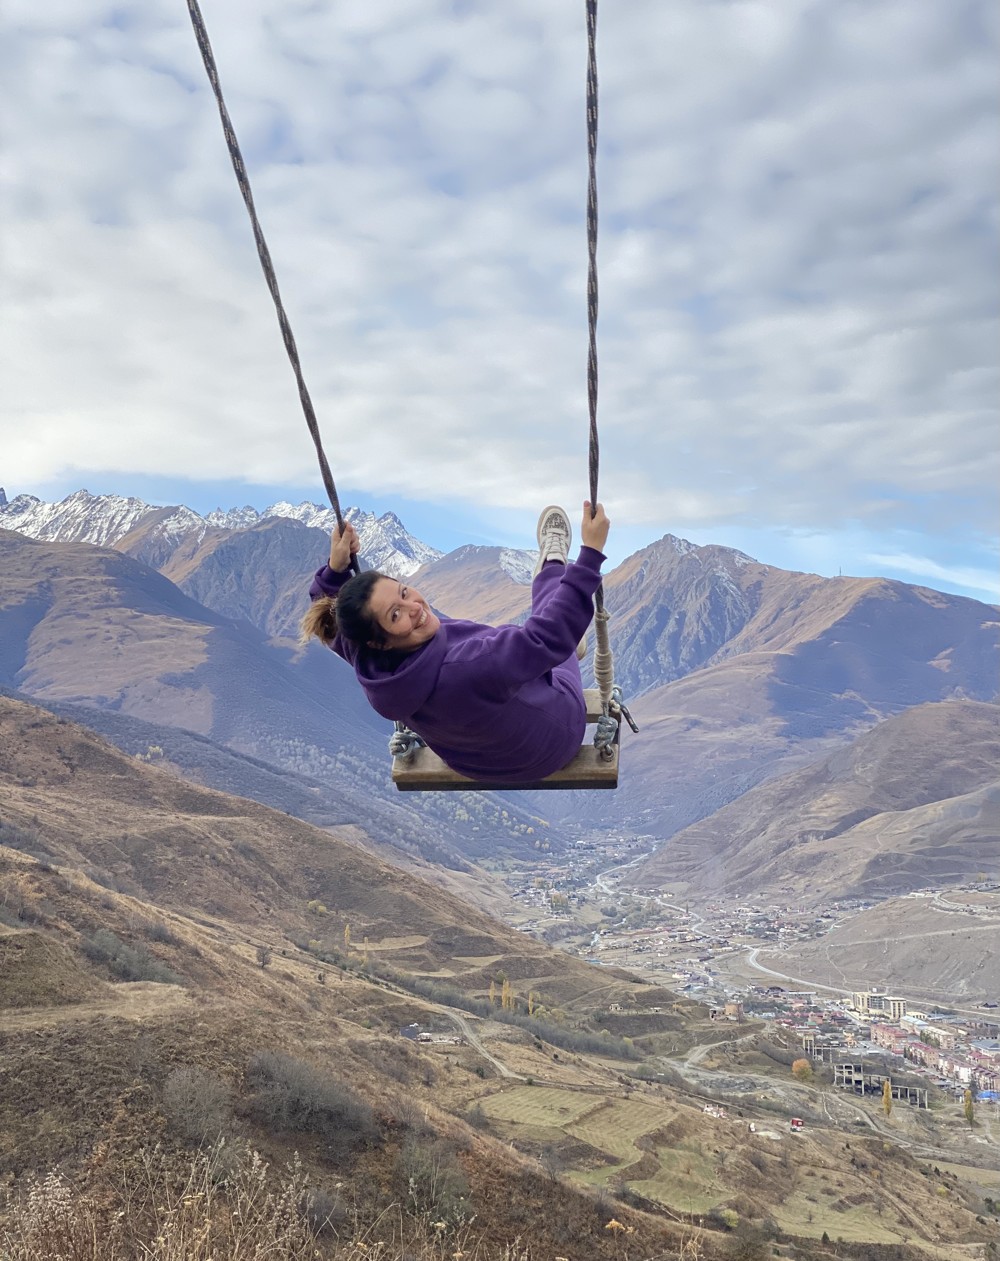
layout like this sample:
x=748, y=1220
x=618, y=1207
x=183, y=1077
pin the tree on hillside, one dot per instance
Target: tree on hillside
x=802, y=1070
x=969, y=1109
x=887, y=1097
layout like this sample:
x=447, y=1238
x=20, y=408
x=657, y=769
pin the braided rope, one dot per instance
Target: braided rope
x=603, y=661
x=592, y=292
x=264, y=254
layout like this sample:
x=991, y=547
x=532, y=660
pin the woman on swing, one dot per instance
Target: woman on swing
x=493, y=702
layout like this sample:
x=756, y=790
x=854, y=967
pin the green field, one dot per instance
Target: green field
x=855, y=1225
x=687, y=1180
x=614, y=1126
x=609, y=1125
x=541, y=1106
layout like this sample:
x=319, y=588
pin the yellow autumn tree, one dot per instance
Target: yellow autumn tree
x=802, y=1070
x=887, y=1096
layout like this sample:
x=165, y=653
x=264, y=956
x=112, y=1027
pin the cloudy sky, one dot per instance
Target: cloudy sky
x=798, y=259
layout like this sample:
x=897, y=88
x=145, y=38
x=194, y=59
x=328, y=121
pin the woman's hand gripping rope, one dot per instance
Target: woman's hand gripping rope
x=344, y=544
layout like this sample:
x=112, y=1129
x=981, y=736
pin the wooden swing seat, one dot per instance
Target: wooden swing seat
x=424, y=771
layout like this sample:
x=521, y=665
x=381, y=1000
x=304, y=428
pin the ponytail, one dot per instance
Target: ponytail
x=320, y=621
x=348, y=614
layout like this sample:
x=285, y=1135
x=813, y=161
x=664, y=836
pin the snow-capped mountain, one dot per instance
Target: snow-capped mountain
x=105, y=520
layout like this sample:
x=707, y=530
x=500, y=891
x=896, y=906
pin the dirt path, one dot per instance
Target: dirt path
x=698, y=1053
x=474, y=1040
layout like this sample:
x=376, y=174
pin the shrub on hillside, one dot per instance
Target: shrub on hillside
x=9, y=917
x=157, y=930
x=18, y=838
x=158, y=1211
x=802, y=1070
x=197, y=1104
x=748, y=1243
x=127, y=963
x=477, y=1118
x=293, y=1095
x=778, y=1054
x=324, y=1210
x=433, y=1182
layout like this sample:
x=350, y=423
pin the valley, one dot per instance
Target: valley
x=500, y=1025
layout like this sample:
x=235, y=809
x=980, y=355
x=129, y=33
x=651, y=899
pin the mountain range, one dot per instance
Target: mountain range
x=738, y=673
x=86, y=626
x=153, y=534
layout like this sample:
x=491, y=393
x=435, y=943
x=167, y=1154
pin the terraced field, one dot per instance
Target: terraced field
x=687, y=1179
x=541, y=1107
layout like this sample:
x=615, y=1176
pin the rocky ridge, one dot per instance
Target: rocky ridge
x=157, y=532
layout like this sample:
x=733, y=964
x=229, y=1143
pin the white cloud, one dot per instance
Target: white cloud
x=983, y=582
x=797, y=255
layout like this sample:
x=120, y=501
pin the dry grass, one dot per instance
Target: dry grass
x=227, y=1204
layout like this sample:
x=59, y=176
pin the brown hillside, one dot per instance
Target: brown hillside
x=84, y=624
x=174, y=560
x=678, y=608
x=229, y=996
x=92, y=627
x=256, y=574
x=912, y=802
x=81, y=802
x=37, y=971
x=942, y=948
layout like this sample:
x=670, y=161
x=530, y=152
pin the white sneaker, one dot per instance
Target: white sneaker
x=554, y=534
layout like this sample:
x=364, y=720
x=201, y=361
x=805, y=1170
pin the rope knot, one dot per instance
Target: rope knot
x=605, y=736
x=403, y=742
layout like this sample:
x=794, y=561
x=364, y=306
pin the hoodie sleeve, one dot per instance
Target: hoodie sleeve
x=327, y=581
x=514, y=655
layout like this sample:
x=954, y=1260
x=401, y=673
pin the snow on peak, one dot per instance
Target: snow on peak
x=103, y=520
x=79, y=518
x=518, y=565
x=681, y=546
x=232, y=518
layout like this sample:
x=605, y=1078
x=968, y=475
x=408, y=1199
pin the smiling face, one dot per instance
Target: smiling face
x=404, y=616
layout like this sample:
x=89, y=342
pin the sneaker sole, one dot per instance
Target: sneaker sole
x=544, y=513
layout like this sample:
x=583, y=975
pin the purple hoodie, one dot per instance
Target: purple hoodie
x=494, y=702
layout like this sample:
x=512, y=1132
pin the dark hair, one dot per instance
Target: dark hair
x=349, y=614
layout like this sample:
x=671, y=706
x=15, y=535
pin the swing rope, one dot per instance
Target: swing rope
x=604, y=667
x=264, y=254
x=404, y=741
